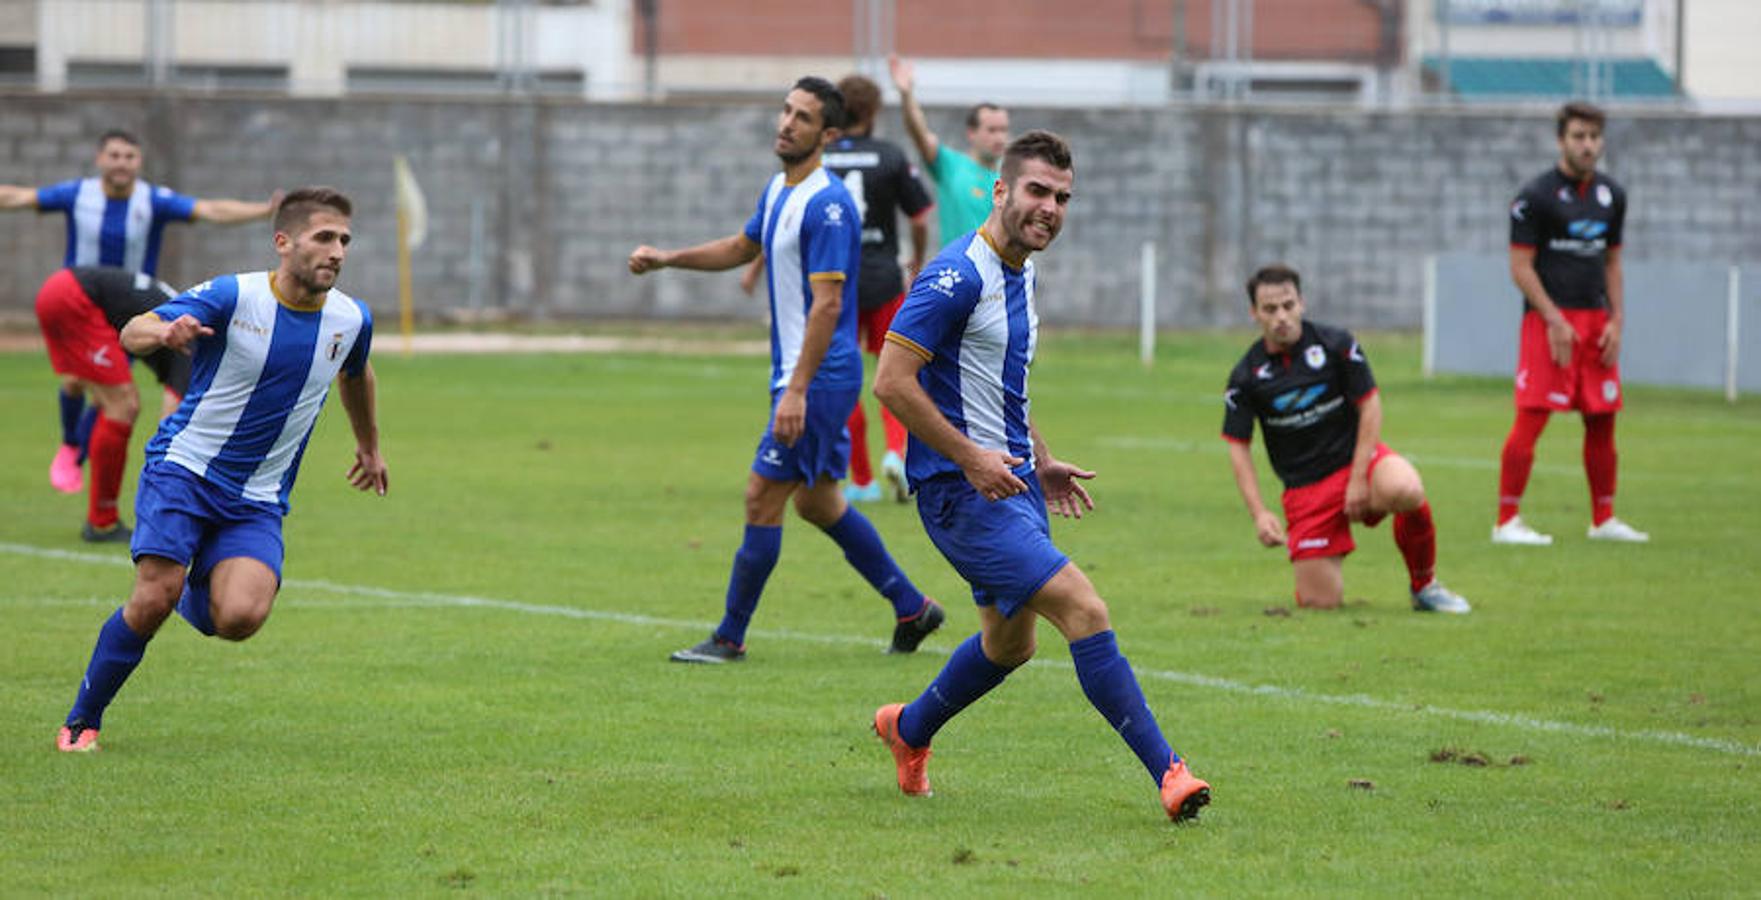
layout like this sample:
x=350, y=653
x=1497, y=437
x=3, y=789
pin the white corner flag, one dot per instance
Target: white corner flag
x=412, y=229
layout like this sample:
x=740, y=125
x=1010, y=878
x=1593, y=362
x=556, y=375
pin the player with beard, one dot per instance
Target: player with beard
x=1565, y=240
x=113, y=219
x=266, y=345
x=954, y=370
x=808, y=228
x=1310, y=388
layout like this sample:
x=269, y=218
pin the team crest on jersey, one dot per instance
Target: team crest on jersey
x=1315, y=356
x=1604, y=196
x=1610, y=390
x=946, y=280
x=335, y=349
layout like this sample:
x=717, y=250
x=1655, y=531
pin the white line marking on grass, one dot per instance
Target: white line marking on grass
x=395, y=599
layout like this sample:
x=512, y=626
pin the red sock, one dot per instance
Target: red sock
x=895, y=432
x=861, y=474
x=1519, y=458
x=1416, y=536
x=109, y=455
x=1599, y=465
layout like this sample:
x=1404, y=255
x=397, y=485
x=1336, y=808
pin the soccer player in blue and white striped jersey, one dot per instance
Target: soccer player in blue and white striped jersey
x=267, y=345
x=954, y=370
x=809, y=229
x=114, y=219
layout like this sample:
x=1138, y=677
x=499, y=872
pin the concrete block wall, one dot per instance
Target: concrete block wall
x=564, y=190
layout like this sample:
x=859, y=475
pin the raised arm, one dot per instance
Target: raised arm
x=1267, y=528
x=919, y=245
x=905, y=79
x=233, y=212
x=714, y=256
x=359, y=400
x=14, y=196
x=895, y=385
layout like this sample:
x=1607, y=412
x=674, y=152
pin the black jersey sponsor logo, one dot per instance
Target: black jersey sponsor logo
x=1301, y=398
x=1305, y=418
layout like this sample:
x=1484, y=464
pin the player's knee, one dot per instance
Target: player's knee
x=1010, y=651
x=1408, y=495
x=823, y=511
x=237, y=624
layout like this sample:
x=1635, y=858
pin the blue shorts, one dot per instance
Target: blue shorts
x=824, y=446
x=1003, y=549
x=188, y=520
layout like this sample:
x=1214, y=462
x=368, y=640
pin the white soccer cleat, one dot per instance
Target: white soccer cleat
x=1434, y=597
x=1516, y=531
x=893, y=473
x=1616, y=530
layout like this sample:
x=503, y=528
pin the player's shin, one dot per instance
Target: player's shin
x=968, y=676
x=114, y=658
x=1112, y=688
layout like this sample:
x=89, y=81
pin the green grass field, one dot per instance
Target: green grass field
x=464, y=685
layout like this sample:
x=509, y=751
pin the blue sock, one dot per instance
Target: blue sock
x=118, y=651
x=752, y=564
x=71, y=407
x=1110, y=685
x=195, y=608
x=866, y=554
x=968, y=676
x=83, y=432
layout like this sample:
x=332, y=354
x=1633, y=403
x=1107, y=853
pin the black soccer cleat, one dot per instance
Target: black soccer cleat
x=115, y=534
x=712, y=650
x=911, y=632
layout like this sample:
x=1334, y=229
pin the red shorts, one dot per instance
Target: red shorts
x=1584, y=385
x=81, y=341
x=1314, y=514
x=872, y=324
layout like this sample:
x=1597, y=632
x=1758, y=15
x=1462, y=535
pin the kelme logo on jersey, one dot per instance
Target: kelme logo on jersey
x=1299, y=399
x=1586, y=229
x=946, y=280
x=834, y=213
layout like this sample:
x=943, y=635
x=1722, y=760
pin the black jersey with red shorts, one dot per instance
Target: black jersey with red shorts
x=1571, y=226
x=82, y=311
x=1306, y=400
x=878, y=176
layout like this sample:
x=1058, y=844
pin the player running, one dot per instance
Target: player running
x=809, y=231
x=1309, y=386
x=81, y=312
x=113, y=219
x=954, y=370
x=1565, y=240
x=207, y=541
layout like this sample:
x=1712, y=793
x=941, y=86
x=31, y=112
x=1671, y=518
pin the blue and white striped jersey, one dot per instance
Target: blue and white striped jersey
x=258, y=383
x=122, y=233
x=970, y=316
x=810, y=231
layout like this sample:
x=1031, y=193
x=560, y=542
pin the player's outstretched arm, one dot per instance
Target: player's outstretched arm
x=1065, y=496
x=895, y=385
x=234, y=212
x=905, y=79
x=714, y=256
x=13, y=196
x=147, y=332
x=1267, y=528
x=359, y=400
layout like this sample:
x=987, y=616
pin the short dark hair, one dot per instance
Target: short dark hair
x=862, y=98
x=118, y=134
x=977, y=109
x=298, y=205
x=1584, y=112
x=1041, y=145
x=831, y=100
x=1276, y=273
